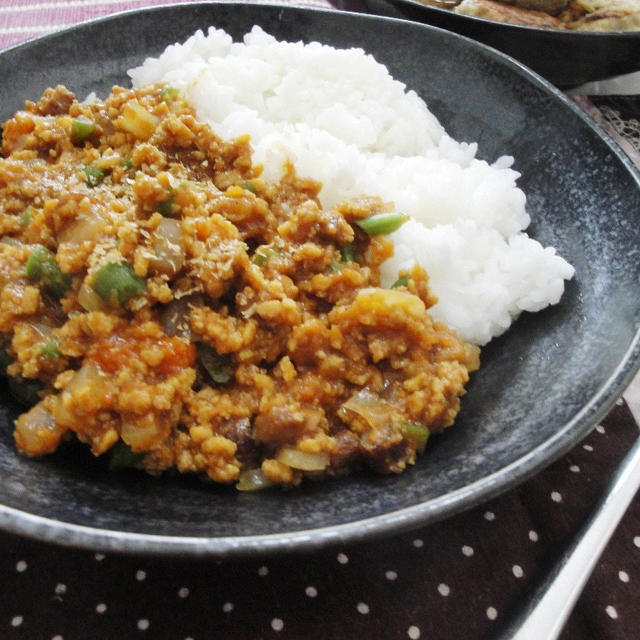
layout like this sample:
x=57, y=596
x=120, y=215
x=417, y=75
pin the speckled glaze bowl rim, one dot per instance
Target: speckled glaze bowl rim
x=44, y=529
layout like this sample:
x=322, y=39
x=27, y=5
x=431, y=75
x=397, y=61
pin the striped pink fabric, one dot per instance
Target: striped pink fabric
x=21, y=20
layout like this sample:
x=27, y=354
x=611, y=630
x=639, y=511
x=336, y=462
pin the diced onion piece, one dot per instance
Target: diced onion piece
x=168, y=247
x=89, y=378
x=375, y=411
x=137, y=120
x=37, y=432
x=83, y=228
x=253, y=480
x=89, y=299
x=303, y=460
x=175, y=318
x=140, y=436
x=11, y=241
x=41, y=328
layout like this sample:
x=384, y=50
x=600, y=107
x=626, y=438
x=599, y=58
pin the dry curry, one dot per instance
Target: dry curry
x=163, y=304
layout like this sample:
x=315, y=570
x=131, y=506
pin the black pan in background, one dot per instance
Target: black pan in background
x=542, y=386
x=565, y=58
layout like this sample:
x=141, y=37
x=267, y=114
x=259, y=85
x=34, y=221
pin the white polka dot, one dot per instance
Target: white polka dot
x=227, y=607
x=556, y=496
x=619, y=402
x=611, y=612
x=16, y=621
x=489, y=515
x=342, y=558
x=600, y=428
x=492, y=613
x=413, y=632
x=58, y=637
x=183, y=592
x=418, y=543
x=574, y=468
x=467, y=550
x=21, y=566
x=587, y=447
x=60, y=588
x=99, y=557
x=140, y=575
x=533, y=536
x=391, y=575
x=277, y=624
x=517, y=571
x=624, y=576
x=143, y=624
x=636, y=541
x=101, y=608
x=311, y=591
x=362, y=608
x=443, y=589
x=263, y=571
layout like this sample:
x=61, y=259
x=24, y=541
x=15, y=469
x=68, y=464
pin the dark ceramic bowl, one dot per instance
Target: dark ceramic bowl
x=565, y=58
x=542, y=387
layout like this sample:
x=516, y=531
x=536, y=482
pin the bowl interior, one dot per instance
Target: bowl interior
x=542, y=385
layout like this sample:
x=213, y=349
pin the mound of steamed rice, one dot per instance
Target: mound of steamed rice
x=340, y=118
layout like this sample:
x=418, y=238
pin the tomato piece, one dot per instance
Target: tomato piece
x=170, y=354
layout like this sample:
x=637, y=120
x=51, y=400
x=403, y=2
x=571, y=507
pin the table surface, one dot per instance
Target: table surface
x=461, y=578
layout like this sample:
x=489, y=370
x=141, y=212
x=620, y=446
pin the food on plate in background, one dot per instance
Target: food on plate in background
x=505, y=12
x=578, y=15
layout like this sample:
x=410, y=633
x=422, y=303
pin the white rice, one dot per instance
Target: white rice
x=340, y=118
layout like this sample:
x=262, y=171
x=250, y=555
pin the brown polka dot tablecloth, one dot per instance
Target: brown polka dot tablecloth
x=462, y=578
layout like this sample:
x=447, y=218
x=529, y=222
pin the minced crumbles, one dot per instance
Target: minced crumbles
x=164, y=305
